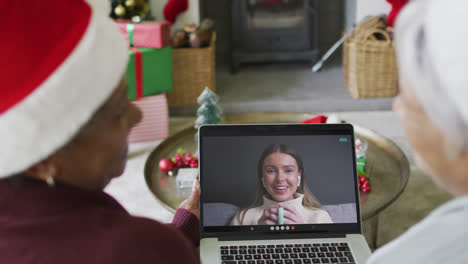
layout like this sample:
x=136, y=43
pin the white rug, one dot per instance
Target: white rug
x=131, y=190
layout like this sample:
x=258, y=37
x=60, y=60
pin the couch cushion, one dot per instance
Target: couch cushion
x=218, y=214
x=342, y=213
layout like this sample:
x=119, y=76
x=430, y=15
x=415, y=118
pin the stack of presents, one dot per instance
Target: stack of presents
x=149, y=76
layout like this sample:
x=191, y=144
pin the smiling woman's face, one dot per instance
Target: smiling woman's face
x=280, y=176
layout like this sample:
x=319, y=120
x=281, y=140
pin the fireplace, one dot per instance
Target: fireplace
x=273, y=30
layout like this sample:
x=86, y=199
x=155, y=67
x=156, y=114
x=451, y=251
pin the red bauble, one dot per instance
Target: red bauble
x=179, y=163
x=188, y=159
x=166, y=165
x=364, y=184
x=194, y=163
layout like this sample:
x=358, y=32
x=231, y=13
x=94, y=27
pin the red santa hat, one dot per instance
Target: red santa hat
x=60, y=61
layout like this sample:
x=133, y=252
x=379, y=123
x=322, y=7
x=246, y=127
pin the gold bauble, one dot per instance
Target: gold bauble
x=119, y=11
x=130, y=3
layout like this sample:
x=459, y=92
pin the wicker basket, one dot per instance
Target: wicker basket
x=369, y=64
x=193, y=70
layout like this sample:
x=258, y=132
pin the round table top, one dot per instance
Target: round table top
x=388, y=166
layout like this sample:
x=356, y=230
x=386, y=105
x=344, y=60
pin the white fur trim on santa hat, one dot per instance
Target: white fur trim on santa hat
x=431, y=38
x=50, y=117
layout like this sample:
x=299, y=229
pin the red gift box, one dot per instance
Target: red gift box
x=155, y=122
x=148, y=34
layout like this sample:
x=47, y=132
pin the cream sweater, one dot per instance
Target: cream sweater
x=310, y=216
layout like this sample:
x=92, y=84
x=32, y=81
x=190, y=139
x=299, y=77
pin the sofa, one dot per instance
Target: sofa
x=220, y=214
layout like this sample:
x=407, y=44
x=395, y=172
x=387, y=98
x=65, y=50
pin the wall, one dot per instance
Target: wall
x=191, y=16
x=370, y=7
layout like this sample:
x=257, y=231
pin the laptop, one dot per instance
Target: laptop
x=279, y=194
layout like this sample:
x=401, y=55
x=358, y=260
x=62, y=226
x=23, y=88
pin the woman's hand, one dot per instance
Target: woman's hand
x=269, y=216
x=193, y=202
x=291, y=215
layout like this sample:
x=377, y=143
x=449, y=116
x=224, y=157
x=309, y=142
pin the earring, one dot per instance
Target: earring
x=50, y=181
x=299, y=181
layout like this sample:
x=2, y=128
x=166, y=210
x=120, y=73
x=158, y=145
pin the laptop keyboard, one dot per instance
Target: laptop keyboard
x=287, y=254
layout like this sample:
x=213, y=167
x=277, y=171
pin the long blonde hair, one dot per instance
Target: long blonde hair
x=309, y=200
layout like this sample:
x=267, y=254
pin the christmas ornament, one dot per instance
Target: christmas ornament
x=120, y=11
x=136, y=10
x=194, y=163
x=363, y=182
x=181, y=159
x=166, y=165
x=130, y=3
x=136, y=19
x=209, y=111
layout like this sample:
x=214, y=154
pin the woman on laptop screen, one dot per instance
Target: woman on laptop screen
x=282, y=196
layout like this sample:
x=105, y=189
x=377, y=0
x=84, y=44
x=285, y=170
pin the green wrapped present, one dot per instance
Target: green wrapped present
x=149, y=71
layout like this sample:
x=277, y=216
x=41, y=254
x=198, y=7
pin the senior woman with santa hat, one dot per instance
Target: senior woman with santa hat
x=431, y=44
x=64, y=122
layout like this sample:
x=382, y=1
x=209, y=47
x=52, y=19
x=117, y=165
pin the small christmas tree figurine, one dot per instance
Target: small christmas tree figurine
x=209, y=111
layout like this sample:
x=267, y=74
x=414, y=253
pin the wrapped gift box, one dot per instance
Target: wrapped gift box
x=155, y=122
x=148, y=34
x=149, y=72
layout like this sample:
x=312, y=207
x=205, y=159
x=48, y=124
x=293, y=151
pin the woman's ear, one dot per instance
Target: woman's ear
x=263, y=182
x=43, y=171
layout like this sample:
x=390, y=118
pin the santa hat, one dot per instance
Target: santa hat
x=431, y=38
x=60, y=61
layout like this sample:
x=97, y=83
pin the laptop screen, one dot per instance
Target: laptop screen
x=278, y=178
